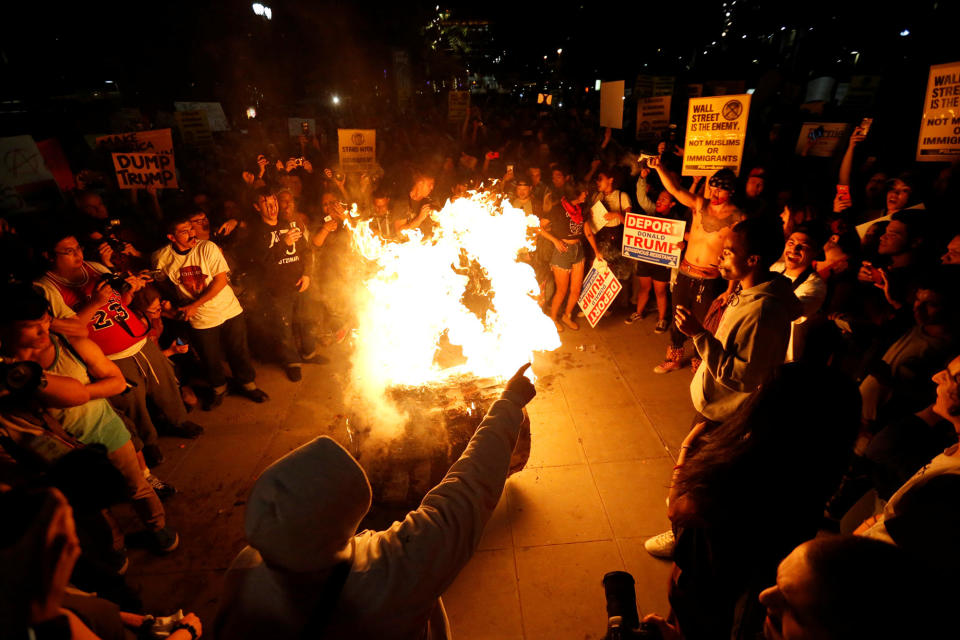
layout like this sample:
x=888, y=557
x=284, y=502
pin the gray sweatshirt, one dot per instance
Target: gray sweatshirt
x=749, y=345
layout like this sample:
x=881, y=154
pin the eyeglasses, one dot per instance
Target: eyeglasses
x=70, y=251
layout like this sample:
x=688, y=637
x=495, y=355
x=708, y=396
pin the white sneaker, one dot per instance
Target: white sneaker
x=661, y=546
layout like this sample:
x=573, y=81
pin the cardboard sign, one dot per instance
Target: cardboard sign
x=26, y=183
x=651, y=239
x=156, y=141
x=458, y=106
x=139, y=170
x=611, y=104
x=358, y=149
x=194, y=127
x=295, y=126
x=826, y=137
x=940, y=126
x=653, y=116
x=142, y=158
x=716, y=129
x=216, y=118
x=600, y=289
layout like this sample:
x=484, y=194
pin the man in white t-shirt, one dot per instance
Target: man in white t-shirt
x=198, y=272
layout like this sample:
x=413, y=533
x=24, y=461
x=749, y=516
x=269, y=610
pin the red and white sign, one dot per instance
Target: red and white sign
x=600, y=289
x=651, y=239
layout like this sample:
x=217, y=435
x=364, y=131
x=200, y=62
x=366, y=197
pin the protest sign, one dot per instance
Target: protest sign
x=716, y=129
x=598, y=213
x=56, y=162
x=139, y=170
x=653, y=86
x=940, y=127
x=295, y=126
x=860, y=93
x=694, y=90
x=611, y=104
x=358, y=149
x=194, y=127
x=600, y=289
x=137, y=158
x=651, y=239
x=653, y=116
x=26, y=183
x=824, y=136
x=820, y=89
x=156, y=141
x=458, y=105
x=216, y=118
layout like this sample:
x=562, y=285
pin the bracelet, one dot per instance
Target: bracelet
x=188, y=627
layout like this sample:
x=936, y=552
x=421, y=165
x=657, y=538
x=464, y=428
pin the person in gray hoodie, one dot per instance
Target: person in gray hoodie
x=752, y=337
x=307, y=573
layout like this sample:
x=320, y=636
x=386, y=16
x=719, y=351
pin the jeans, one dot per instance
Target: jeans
x=288, y=319
x=696, y=294
x=228, y=339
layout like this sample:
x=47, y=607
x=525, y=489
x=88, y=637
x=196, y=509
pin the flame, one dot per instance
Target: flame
x=414, y=296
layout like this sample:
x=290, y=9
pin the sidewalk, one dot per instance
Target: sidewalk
x=605, y=435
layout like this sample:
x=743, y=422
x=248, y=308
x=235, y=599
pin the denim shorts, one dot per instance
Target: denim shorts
x=566, y=259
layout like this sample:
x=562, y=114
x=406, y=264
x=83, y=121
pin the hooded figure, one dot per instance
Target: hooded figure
x=306, y=573
x=750, y=343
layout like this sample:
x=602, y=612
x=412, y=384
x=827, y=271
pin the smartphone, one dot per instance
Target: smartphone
x=494, y=154
x=865, y=125
x=327, y=218
x=509, y=168
x=180, y=342
x=843, y=190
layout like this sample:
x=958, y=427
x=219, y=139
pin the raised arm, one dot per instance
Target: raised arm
x=671, y=184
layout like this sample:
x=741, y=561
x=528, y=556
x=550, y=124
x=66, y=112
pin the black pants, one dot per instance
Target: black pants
x=287, y=321
x=696, y=294
x=226, y=340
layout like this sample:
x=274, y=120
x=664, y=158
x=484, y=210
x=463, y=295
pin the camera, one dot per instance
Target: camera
x=19, y=377
x=116, y=283
x=623, y=621
x=110, y=235
x=298, y=162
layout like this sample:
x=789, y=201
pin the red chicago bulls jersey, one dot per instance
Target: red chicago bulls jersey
x=114, y=327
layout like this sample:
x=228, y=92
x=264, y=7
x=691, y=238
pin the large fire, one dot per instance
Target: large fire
x=463, y=288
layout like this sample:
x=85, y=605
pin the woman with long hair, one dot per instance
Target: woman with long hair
x=748, y=491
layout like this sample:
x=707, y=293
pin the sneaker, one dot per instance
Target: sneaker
x=662, y=325
x=661, y=546
x=214, y=400
x=164, y=540
x=667, y=366
x=185, y=429
x=633, y=317
x=163, y=489
x=293, y=372
x=255, y=394
x=152, y=455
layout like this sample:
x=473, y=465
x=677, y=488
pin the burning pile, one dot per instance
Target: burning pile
x=463, y=289
x=439, y=320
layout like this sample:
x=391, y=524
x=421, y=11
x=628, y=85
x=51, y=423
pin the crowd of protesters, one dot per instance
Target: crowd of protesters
x=820, y=300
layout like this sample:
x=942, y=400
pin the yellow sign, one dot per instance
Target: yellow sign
x=358, y=149
x=716, y=129
x=940, y=127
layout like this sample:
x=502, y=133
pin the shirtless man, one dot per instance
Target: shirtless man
x=699, y=281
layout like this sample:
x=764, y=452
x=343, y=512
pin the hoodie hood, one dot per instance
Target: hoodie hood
x=305, y=507
x=778, y=287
